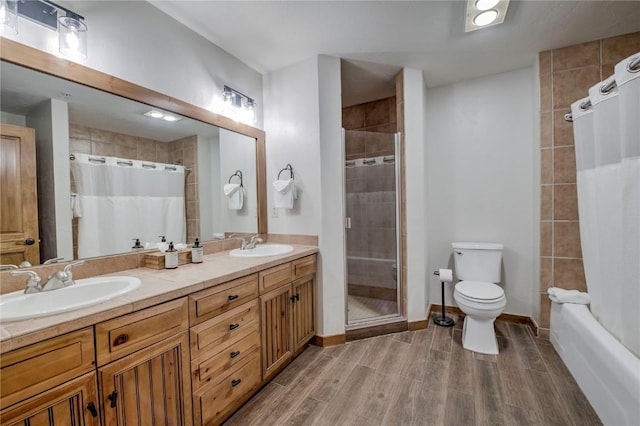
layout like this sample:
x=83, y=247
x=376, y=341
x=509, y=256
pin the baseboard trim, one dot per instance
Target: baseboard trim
x=418, y=325
x=376, y=330
x=512, y=318
x=324, y=341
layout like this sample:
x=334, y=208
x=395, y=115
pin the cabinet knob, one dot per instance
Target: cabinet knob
x=234, y=354
x=121, y=339
x=233, y=326
x=235, y=382
x=233, y=297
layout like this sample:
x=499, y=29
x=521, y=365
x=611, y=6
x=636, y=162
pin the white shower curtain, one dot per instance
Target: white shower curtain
x=122, y=199
x=607, y=139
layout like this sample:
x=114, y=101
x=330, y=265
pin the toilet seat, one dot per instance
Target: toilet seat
x=479, y=292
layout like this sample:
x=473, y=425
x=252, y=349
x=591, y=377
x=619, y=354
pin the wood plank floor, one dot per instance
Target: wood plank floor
x=423, y=377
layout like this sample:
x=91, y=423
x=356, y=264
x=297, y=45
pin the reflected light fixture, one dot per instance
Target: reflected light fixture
x=238, y=106
x=9, y=17
x=72, y=31
x=485, y=13
x=162, y=115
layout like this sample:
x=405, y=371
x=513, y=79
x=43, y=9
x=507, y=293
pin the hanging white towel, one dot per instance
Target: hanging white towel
x=560, y=295
x=235, y=195
x=284, y=193
x=75, y=205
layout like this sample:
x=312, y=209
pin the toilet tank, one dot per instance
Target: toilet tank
x=478, y=261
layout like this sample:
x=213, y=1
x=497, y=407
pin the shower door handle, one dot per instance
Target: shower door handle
x=347, y=222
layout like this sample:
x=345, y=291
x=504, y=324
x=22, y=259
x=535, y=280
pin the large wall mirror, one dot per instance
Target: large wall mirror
x=107, y=173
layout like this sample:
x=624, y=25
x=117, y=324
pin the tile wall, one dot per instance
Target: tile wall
x=565, y=76
x=376, y=118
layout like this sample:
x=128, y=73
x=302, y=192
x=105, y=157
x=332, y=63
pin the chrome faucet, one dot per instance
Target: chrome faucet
x=254, y=240
x=62, y=278
x=7, y=267
x=33, y=282
x=52, y=260
x=243, y=242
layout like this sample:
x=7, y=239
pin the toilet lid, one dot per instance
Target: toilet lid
x=479, y=291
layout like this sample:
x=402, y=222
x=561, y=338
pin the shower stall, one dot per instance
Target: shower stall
x=371, y=191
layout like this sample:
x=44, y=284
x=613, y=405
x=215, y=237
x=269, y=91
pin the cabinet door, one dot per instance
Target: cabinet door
x=73, y=403
x=151, y=386
x=303, y=312
x=276, y=334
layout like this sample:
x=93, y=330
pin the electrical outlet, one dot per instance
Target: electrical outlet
x=274, y=212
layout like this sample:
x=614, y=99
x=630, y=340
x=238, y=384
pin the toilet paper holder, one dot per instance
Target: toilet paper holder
x=443, y=320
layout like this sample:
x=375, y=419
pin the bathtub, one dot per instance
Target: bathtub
x=606, y=371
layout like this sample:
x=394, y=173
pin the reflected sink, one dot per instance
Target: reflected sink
x=262, y=250
x=85, y=292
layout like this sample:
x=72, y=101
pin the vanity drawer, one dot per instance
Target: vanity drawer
x=275, y=277
x=207, y=338
x=303, y=267
x=211, y=406
x=121, y=336
x=206, y=304
x=33, y=369
x=216, y=368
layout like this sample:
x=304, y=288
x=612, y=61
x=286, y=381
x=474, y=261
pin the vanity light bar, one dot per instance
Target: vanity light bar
x=485, y=13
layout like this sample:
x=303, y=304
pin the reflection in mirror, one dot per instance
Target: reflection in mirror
x=70, y=118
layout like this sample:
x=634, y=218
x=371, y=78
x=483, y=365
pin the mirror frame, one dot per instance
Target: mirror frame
x=38, y=60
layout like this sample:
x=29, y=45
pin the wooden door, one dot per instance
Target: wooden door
x=303, y=316
x=19, y=240
x=73, y=403
x=276, y=334
x=150, y=386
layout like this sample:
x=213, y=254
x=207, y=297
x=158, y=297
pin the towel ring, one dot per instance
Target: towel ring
x=238, y=174
x=286, y=169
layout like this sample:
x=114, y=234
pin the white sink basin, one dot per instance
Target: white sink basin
x=262, y=250
x=85, y=292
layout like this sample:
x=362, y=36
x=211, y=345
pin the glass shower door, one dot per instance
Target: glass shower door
x=371, y=222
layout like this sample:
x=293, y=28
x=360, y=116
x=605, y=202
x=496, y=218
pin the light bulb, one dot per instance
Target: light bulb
x=486, y=4
x=73, y=42
x=485, y=18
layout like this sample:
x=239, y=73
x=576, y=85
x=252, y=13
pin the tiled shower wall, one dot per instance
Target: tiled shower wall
x=565, y=76
x=374, y=117
x=184, y=151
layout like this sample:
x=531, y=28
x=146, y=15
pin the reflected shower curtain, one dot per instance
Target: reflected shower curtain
x=121, y=200
x=607, y=139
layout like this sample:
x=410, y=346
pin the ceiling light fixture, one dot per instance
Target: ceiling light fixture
x=238, y=106
x=485, y=13
x=72, y=31
x=162, y=115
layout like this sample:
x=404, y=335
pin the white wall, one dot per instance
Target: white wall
x=480, y=176
x=303, y=125
x=293, y=137
x=137, y=42
x=415, y=104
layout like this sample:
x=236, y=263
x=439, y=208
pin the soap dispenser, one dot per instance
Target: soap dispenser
x=171, y=257
x=137, y=246
x=196, y=252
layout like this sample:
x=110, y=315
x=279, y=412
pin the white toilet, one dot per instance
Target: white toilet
x=478, y=267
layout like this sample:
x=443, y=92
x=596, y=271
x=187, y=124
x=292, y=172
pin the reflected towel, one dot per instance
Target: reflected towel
x=560, y=295
x=75, y=205
x=284, y=193
x=235, y=195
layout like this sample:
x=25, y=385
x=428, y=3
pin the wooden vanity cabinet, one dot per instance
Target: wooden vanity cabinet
x=143, y=367
x=225, y=348
x=287, y=304
x=50, y=382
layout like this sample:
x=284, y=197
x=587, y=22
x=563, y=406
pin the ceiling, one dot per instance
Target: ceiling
x=381, y=37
